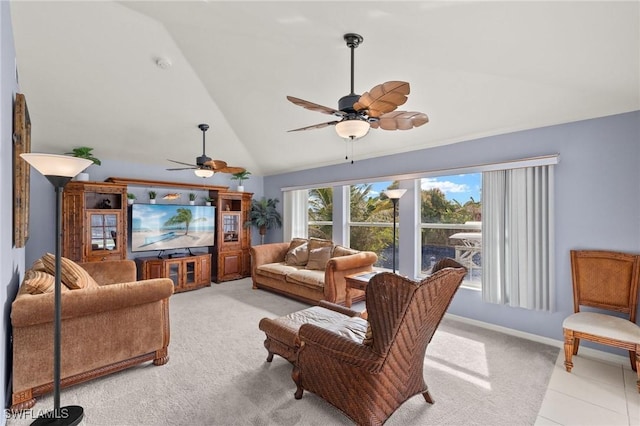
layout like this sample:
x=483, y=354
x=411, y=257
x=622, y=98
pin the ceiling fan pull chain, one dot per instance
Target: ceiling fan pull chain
x=352, y=143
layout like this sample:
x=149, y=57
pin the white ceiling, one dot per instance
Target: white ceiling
x=88, y=71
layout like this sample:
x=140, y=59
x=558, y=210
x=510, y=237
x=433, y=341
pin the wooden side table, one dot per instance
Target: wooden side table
x=358, y=281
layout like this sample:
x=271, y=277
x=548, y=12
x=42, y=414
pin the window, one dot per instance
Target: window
x=450, y=212
x=371, y=221
x=320, y=213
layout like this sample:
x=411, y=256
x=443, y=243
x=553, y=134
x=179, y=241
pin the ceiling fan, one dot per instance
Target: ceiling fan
x=373, y=109
x=205, y=166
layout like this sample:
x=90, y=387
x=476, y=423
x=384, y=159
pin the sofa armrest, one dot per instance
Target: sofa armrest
x=111, y=271
x=31, y=309
x=339, y=267
x=268, y=253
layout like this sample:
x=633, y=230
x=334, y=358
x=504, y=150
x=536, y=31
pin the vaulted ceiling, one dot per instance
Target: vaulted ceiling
x=90, y=75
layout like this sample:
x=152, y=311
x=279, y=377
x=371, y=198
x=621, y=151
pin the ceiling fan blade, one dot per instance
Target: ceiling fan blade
x=184, y=168
x=215, y=165
x=315, y=107
x=232, y=170
x=316, y=126
x=400, y=120
x=186, y=164
x=383, y=98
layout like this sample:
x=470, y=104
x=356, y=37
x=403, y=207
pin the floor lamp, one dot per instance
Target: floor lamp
x=394, y=195
x=58, y=169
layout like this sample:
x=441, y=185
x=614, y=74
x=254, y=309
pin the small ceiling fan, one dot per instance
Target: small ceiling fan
x=205, y=166
x=373, y=109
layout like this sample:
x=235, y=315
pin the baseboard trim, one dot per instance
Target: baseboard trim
x=586, y=352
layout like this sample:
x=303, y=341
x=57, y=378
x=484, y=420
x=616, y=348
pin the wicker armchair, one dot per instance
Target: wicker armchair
x=369, y=380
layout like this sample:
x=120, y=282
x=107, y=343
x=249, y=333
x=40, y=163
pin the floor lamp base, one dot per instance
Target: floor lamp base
x=69, y=416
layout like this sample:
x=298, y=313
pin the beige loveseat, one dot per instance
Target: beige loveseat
x=309, y=270
x=110, y=321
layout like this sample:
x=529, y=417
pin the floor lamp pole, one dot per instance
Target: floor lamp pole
x=394, y=195
x=58, y=169
x=395, y=207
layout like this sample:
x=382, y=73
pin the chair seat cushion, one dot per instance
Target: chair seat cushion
x=603, y=325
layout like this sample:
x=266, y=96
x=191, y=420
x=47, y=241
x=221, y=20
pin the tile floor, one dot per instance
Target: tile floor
x=594, y=393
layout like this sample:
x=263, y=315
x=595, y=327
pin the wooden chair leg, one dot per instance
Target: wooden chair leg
x=633, y=357
x=576, y=345
x=636, y=364
x=427, y=397
x=568, y=349
x=295, y=375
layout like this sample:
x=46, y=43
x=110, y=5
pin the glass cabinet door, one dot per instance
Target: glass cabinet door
x=104, y=231
x=231, y=227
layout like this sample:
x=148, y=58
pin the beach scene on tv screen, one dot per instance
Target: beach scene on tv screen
x=166, y=226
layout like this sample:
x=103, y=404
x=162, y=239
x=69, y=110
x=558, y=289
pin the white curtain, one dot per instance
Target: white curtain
x=517, y=243
x=296, y=214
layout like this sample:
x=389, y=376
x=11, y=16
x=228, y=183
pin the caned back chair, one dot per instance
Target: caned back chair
x=369, y=379
x=607, y=281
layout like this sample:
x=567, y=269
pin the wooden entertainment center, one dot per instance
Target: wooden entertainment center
x=95, y=226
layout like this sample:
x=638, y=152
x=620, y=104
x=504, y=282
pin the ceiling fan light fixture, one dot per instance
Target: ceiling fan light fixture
x=203, y=173
x=352, y=128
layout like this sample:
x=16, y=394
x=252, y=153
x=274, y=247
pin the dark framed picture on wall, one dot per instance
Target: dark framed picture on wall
x=21, y=144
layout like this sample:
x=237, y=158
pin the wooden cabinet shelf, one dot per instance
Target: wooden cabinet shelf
x=187, y=273
x=94, y=221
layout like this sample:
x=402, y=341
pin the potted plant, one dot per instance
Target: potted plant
x=208, y=201
x=84, y=152
x=192, y=198
x=130, y=197
x=241, y=177
x=152, y=197
x=264, y=216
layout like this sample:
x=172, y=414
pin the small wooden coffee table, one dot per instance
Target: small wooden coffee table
x=358, y=281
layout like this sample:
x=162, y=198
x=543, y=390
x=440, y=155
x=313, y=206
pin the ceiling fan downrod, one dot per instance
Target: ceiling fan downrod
x=203, y=159
x=346, y=102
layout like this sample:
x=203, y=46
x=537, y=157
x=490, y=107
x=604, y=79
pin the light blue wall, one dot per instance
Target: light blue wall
x=597, y=198
x=42, y=218
x=11, y=258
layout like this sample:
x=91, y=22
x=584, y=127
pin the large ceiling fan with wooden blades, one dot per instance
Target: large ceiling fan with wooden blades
x=205, y=166
x=373, y=109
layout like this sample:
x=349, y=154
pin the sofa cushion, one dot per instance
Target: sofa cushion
x=296, y=256
x=275, y=270
x=73, y=275
x=299, y=256
x=306, y=277
x=318, y=258
x=343, y=251
x=37, y=282
x=315, y=243
x=38, y=265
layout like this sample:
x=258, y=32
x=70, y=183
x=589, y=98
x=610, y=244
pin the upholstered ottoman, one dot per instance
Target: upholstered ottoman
x=282, y=333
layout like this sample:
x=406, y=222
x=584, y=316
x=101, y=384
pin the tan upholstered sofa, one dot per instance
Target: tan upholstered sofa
x=110, y=321
x=309, y=270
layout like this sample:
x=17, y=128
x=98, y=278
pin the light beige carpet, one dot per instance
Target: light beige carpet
x=218, y=375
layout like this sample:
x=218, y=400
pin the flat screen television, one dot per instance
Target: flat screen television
x=171, y=226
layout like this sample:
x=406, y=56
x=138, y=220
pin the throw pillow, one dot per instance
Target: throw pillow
x=37, y=282
x=299, y=256
x=73, y=275
x=343, y=251
x=319, y=257
x=315, y=243
x=38, y=265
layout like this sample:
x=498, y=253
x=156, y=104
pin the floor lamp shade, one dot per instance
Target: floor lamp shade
x=56, y=165
x=58, y=169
